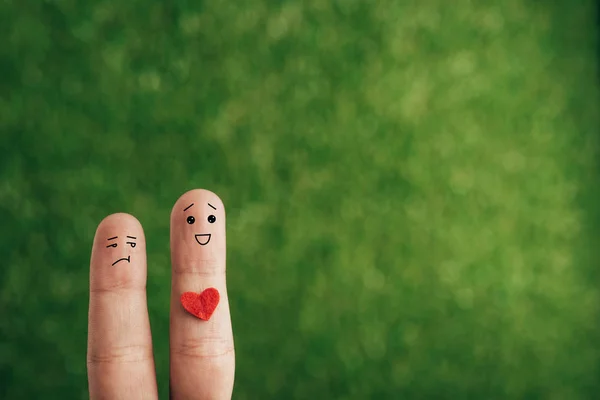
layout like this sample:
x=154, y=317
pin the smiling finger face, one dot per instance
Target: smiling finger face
x=198, y=232
x=206, y=213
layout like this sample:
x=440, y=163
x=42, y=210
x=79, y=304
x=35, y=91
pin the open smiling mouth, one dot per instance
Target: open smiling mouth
x=128, y=259
x=201, y=237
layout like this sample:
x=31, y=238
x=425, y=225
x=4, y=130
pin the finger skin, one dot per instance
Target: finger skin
x=119, y=356
x=202, y=352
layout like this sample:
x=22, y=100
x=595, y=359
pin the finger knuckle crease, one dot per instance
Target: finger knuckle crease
x=206, y=347
x=117, y=287
x=199, y=268
x=121, y=355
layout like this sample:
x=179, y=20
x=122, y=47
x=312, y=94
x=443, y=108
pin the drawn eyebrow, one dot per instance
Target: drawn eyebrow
x=113, y=238
x=185, y=209
x=211, y=206
x=131, y=237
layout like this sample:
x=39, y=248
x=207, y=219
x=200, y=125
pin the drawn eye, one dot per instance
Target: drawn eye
x=191, y=220
x=112, y=245
x=132, y=244
x=212, y=219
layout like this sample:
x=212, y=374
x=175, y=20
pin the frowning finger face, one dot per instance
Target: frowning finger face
x=123, y=246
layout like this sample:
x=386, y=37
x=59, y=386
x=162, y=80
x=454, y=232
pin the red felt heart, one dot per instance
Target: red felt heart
x=201, y=305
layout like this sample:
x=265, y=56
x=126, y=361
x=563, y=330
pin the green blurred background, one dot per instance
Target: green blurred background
x=412, y=187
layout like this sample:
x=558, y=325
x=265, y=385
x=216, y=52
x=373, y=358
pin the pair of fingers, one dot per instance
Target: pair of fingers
x=119, y=356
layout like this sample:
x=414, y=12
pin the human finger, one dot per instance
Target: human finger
x=202, y=350
x=119, y=355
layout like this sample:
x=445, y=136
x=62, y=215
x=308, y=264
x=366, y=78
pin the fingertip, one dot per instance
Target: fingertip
x=118, y=221
x=195, y=196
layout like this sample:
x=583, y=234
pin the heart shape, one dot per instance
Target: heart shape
x=201, y=305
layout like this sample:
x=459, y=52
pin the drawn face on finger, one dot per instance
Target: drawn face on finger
x=194, y=214
x=122, y=248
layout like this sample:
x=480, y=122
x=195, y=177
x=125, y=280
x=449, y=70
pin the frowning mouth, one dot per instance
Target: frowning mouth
x=128, y=259
x=202, y=238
